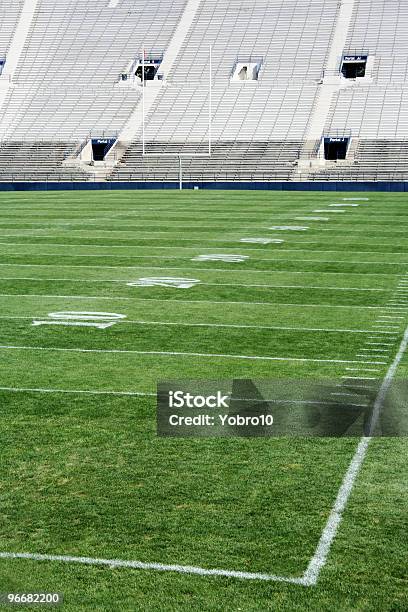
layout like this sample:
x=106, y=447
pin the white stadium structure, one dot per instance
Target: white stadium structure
x=301, y=90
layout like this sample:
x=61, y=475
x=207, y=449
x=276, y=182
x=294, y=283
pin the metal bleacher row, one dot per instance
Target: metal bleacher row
x=230, y=161
x=9, y=14
x=64, y=85
x=75, y=43
x=291, y=36
x=375, y=159
x=64, y=89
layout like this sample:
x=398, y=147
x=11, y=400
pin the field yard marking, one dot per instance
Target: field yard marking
x=258, y=241
x=226, y=258
x=7, y=347
x=182, y=282
x=359, y=378
x=351, y=205
x=329, y=211
x=311, y=218
x=138, y=299
x=100, y=320
x=289, y=228
x=363, y=369
x=374, y=350
x=322, y=551
x=175, y=283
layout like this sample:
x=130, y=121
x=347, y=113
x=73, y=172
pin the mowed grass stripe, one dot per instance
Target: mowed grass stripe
x=221, y=276
x=255, y=253
x=37, y=317
x=231, y=341
x=204, y=283
x=210, y=293
x=279, y=265
x=324, y=234
x=141, y=372
x=276, y=314
x=343, y=247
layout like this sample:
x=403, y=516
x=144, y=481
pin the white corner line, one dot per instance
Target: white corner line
x=181, y=569
x=321, y=554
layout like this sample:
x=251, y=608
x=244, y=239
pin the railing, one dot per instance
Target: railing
x=161, y=177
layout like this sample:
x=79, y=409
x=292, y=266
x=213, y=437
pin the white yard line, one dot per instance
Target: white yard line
x=321, y=554
x=229, y=270
x=136, y=299
x=153, y=234
x=222, y=325
x=183, y=248
x=76, y=391
x=202, y=283
x=6, y=347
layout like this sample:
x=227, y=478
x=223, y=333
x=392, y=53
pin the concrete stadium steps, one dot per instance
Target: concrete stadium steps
x=230, y=160
x=37, y=161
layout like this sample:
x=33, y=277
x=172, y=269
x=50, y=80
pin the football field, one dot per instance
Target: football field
x=102, y=295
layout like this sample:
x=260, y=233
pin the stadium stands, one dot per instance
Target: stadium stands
x=65, y=89
x=236, y=160
x=58, y=114
x=9, y=15
x=373, y=160
x=88, y=44
x=19, y=162
x=291, y=36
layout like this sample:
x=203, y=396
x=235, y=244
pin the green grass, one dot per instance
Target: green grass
x=85, y=474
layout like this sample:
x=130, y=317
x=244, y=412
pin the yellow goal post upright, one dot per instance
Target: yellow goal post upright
x=179, y=155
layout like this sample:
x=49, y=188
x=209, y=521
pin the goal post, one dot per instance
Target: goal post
x=179, y=155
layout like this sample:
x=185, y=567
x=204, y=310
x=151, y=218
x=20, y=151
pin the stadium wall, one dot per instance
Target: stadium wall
x=265, y=186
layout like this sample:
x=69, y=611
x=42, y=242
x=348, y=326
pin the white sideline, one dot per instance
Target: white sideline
x=6, y=347
x=319, y=559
